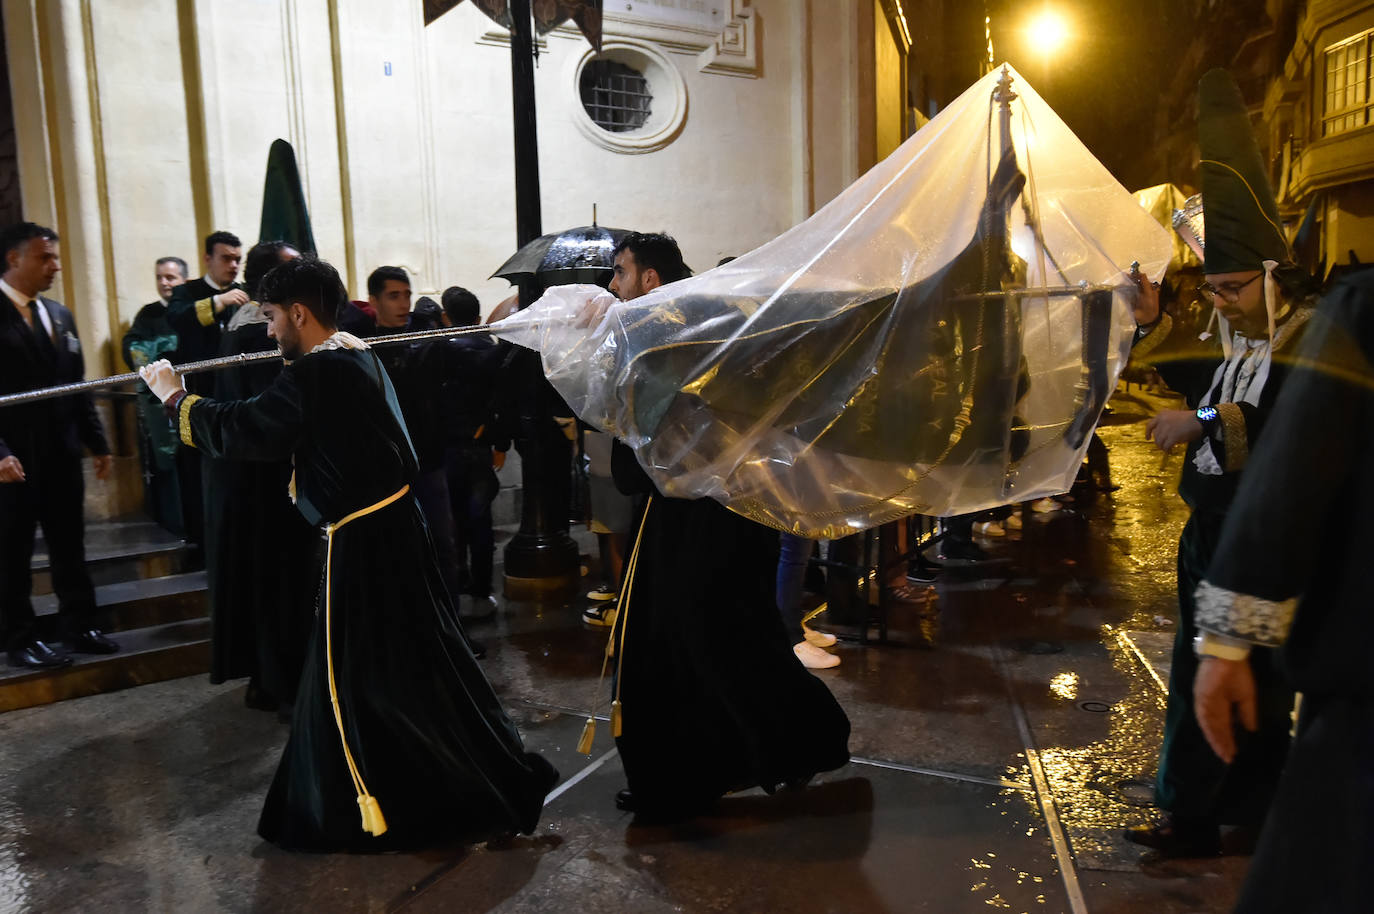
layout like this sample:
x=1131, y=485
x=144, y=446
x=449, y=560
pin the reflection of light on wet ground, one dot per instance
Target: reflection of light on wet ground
x=989, y=876
x=1065, y=685
x=14, y=878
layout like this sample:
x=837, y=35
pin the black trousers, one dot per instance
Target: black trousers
x=472, y=487
x=52, y=495
x=1193, y=783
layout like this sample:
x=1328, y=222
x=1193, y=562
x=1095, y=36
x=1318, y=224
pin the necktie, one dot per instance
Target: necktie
x=44, y=340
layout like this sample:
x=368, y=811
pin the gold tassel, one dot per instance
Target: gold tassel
x=615, y=718
x=373, y=822
x=584, y=745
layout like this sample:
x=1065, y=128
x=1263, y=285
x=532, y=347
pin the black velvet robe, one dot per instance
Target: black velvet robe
x=425, y=728
x=1292, y=573
x=261, y=599
x=713, y=698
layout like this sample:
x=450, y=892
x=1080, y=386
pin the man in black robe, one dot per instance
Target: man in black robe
x=150, y=337
x=259, y=601
x=393, y=716
x=199, y=311
x=1291, y=575
x=1263, y=310
x=710, y=696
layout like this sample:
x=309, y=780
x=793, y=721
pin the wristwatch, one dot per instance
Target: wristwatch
x=1208, y=416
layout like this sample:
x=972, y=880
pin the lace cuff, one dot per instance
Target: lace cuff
x=1248, y=618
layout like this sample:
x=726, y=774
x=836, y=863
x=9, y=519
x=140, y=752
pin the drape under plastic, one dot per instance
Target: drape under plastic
x=938, y=339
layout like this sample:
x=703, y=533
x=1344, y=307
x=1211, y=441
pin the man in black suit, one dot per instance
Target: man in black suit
x=40, y=454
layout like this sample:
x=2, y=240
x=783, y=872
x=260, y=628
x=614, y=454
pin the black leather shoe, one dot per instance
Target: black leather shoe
x=479, y=650
x=1175, y=840
x=624, y=800
x=39, y=656
x=91, y=642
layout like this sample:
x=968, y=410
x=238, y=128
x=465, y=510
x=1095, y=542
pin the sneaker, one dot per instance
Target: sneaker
x=602, y=595
x=812, y=657
x=600, y=616
x=820, y=639
x=1012, y=522
x=480, y=607
x=989, y=528
x=1045, y=506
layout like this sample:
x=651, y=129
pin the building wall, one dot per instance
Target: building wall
x=145, y=124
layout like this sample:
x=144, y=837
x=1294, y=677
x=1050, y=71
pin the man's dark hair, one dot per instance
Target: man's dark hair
x=377, y=281
x=215, y=238
x=181, y=265
x=262, y=258
x=310, y=281
x=20, y=234
x=427, y=312
x=657, y=251
x=461, y=306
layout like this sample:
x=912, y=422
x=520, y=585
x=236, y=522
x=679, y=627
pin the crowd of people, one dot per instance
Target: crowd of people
x=342, y=498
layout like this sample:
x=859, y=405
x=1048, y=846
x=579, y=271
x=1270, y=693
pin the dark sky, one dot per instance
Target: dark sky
x=1105, y=83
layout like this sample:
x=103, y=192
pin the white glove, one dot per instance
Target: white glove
x=162, y=379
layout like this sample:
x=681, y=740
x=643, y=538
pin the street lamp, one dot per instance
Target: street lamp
x=1046, y=33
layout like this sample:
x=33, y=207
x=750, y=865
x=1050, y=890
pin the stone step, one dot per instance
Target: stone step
x=137, y=604
x=118, y=552
x=151, y=654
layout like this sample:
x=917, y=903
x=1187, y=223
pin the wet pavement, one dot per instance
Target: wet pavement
x=994, y=769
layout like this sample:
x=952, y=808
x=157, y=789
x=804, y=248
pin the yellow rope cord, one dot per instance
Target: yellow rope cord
x=373, y=822
x=584, y=744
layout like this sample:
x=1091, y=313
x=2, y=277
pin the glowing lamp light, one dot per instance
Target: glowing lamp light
x=1048, y=32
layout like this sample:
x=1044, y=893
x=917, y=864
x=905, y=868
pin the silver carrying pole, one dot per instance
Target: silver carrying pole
x=66, y=390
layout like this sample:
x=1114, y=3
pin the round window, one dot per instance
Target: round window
x=615, y=95
x=630, y=98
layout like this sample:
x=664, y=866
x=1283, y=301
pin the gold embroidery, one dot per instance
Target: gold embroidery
x=184, y=418
x=1234, y=436
x=1150, y=341
x=205, y=311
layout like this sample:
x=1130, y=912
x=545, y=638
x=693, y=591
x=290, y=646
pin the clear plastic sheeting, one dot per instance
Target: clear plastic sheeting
x=938, y=339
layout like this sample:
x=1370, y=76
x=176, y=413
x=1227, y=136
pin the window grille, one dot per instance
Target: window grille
x=1346, y=102
x=616, y=96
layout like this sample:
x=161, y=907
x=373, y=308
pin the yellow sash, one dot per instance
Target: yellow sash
x=373, y=823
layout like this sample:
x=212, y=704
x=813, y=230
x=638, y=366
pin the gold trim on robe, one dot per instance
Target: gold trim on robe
x=205, y=311
x=1235, y=437
x=184, y=418
x=1151, y=340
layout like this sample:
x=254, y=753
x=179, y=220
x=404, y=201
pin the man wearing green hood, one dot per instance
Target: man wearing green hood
x=1261, y=302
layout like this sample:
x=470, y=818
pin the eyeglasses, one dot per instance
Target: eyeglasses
x=1230, y=291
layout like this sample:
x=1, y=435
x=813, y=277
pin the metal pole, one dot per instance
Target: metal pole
x=225, y=361
x=541, y=561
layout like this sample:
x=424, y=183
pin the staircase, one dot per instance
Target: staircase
x=155, y=609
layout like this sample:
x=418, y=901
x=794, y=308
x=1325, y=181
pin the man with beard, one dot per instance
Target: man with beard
x=710, y=696
x=393, y=717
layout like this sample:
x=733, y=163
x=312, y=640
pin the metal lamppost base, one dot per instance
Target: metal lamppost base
x=542, y=568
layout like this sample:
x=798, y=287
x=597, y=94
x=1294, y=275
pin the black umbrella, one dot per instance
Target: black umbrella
x=582, y=254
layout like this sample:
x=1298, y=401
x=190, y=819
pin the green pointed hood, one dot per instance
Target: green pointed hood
x=284, y=214
x=1239, y=213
